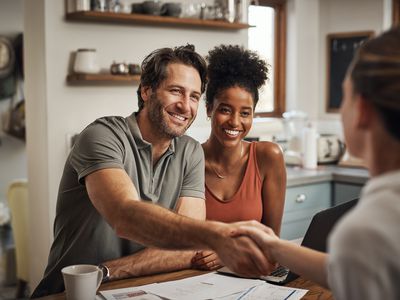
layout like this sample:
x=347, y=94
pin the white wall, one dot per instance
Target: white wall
x=13, y=163
x=338, y=16
x=309, y=22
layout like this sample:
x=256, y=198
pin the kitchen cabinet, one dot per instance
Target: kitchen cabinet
x=343, y=192
x=310, y=191
x=301, y=204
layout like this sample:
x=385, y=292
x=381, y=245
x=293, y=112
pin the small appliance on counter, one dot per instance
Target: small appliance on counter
x=294, y=122
x=298, y=149
x=330, y=149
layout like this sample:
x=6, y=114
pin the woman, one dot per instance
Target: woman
x=244, y=181
x=363, y=260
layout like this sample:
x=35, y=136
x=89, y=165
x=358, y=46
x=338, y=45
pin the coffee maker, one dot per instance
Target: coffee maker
x=294, y=123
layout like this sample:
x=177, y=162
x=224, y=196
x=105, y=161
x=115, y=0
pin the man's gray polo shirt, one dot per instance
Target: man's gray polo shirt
x=81, y=235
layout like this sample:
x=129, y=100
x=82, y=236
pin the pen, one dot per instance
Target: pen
x=245, y=293
x=290, y=295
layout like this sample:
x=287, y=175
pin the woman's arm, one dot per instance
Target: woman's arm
x=273, y=173
x=308, y=263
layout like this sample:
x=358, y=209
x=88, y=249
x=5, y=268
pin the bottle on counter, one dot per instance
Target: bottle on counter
x=309, y=147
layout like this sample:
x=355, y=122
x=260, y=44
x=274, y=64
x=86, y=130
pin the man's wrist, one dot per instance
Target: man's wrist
x=214, y=234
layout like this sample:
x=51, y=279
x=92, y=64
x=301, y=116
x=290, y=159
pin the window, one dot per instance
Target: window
x=268, y=38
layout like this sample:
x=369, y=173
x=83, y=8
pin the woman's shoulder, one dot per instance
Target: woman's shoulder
x=269, y=156
x=268, y=150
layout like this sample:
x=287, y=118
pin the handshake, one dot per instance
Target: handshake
x=245, y=248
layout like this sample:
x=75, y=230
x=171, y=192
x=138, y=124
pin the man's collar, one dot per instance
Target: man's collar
x=137, y=135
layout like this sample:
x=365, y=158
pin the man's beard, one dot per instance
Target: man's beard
x=159, y=118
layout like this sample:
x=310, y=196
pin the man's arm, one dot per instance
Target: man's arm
x=153, y=260
x=115, y=197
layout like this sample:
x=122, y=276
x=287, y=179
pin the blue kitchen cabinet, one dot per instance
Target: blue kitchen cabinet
x=343, y=192
x=301, y=204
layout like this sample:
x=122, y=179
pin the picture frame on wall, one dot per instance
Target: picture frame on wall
x=341, y=48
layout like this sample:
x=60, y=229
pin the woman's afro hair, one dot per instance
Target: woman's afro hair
x=232, y=65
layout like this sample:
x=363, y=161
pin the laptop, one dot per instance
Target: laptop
x=315, y=238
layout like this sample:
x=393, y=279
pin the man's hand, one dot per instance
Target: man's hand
x=308, y=263
x=240, y=253
x=262, y=235
x=206, y=260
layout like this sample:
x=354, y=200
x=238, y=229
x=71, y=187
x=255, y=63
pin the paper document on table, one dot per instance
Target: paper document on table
x=269, y=291
x=132, y=293
x=208, y=286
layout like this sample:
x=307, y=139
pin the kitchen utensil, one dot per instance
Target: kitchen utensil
x=136, y=8
x=171, y=9
x=113, y=6
x=151, y=7
x=228, y=9
x=294, y=122
x=86, y=61
x=191, y=10
x=134, y=69
x=119, y=68
x=330, y=149
x=99, y=5
x=82, y=5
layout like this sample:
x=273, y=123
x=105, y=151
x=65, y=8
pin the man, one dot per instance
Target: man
x=120, y=166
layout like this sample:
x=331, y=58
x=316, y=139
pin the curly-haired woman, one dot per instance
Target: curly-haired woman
x=244, y=181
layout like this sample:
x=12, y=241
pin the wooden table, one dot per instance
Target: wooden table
x=315, y=292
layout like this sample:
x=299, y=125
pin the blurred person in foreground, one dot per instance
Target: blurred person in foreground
x=363, y=250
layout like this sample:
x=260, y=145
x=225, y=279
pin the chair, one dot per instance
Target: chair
x=17, y=197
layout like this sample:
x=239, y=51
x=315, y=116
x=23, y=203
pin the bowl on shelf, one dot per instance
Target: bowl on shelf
x=151, y=7
x=134, y=69
x=171, y=9
x=119, y=69
x=136, y=8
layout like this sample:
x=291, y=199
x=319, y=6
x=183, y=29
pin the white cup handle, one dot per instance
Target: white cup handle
x=99, y=278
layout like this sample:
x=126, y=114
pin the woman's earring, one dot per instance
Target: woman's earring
x=208, y=118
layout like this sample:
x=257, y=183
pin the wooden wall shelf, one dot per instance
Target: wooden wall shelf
x=97, y=79
x=110, y=17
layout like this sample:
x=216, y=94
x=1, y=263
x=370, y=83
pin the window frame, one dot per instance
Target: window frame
x=279, y=57
x=395, y=12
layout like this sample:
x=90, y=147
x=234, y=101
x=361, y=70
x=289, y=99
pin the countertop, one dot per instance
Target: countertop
x=299, y=176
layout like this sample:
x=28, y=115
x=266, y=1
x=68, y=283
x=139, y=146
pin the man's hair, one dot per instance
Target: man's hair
x=154, y=67
x=375, y=72
x=231, y=66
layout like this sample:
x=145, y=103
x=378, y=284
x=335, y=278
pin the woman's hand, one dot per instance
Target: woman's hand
x=206, y=260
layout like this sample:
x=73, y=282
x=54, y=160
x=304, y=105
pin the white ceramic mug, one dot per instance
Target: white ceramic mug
x=82, y=281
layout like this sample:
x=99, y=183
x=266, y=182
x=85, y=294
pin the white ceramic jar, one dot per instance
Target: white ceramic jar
x=86, y=61
x=82, y=5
